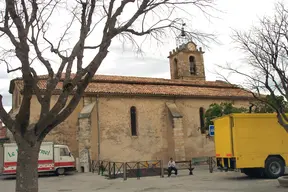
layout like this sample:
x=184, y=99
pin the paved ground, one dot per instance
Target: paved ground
x=201, y=181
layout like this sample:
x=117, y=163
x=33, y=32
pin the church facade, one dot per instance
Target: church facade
x=124, y=118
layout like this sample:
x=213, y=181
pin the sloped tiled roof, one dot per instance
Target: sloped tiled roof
x=106, y=84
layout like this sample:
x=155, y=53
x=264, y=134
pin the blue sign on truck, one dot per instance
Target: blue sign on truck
x=211, y=130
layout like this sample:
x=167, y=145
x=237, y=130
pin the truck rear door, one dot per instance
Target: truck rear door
x=223, y=137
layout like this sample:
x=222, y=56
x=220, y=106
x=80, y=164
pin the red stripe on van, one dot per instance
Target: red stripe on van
x=39, y=169
x=11, y=164
x=64, y=164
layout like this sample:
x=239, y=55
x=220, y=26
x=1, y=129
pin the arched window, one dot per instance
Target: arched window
x=133, y=121
x=175, y=68
x=202, y=120
x=192, y=65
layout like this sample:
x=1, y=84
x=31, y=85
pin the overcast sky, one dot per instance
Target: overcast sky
x=236, y=14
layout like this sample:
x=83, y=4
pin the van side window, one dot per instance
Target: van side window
x=64, y=152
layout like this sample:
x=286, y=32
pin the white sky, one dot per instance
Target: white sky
x=236, y=14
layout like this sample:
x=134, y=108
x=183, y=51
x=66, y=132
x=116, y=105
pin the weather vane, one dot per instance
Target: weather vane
x=182, y=38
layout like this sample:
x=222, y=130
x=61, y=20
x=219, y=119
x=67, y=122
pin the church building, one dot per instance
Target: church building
x=123, y=118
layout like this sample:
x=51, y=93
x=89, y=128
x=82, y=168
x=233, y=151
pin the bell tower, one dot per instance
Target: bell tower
x=186, y=62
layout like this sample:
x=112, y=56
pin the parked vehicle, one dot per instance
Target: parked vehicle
x=255, y=143
x=52, y=158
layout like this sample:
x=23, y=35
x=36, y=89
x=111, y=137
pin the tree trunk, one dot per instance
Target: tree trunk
x=27, y=167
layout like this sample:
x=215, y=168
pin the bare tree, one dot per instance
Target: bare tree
x=264, y=70
x=25, y=25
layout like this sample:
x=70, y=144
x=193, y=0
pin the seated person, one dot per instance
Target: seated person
x=171, y=167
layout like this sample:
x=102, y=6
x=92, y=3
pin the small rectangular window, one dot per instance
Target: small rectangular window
x=133, y=121
x=192, y=65
x=202, y=120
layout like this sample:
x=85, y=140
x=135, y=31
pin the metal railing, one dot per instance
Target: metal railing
x=137, y=169
x=126, y=170
x=207, y=160
x=212, y=164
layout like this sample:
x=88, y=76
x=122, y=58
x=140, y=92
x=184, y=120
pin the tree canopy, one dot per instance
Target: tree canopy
x=217, y=110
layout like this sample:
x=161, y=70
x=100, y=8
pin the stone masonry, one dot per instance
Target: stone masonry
x=179, y=63
x=84, y=143
x=178, y=133
x=178, y=136
x=84, y=134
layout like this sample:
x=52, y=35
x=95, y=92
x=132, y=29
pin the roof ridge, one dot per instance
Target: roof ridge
x=148, y=80
x=171, y=82
x=132, y=88
x=154, y=81
x=99, y=75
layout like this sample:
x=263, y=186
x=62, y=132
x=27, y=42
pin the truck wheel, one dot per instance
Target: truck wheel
x=274, y=167
x=60, y=171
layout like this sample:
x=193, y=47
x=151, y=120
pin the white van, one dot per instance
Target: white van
x=52, y=158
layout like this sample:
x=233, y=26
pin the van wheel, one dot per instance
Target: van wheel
x=274, y=168
x=60, y=171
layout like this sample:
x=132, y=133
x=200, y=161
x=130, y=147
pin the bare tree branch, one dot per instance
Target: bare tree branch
x=265, y=48
x=6, y=118
x=28, y=23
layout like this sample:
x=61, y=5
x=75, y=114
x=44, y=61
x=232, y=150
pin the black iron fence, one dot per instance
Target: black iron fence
x=126, y=170
x=144, y=168
x=210, y=161
x=137, y=169
x=212, y=164
x=111, y=169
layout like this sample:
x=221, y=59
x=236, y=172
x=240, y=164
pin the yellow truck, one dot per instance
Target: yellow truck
x=255, y=143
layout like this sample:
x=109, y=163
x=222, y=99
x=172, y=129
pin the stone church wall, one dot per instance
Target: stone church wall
x=154, y=139
x=66, y=132
x=196, y=144
x=117, y=143
x=154, y=127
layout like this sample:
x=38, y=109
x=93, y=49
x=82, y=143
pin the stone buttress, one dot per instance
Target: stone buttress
x=178, y=133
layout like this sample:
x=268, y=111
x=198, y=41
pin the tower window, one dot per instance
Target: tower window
x=133, y=121
x=202, y=121
x=175, y=68
x=192, y=65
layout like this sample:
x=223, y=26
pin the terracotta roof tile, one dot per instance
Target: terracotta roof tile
x=130, y=79
x=104, y=84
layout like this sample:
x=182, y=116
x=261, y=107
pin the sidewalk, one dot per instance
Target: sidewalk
x=201, y=181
